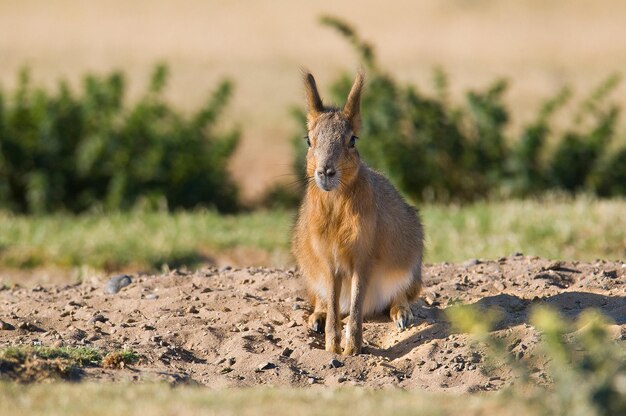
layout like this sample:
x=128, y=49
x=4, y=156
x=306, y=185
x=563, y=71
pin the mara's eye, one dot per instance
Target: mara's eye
x=308, y=141
x=353, y=141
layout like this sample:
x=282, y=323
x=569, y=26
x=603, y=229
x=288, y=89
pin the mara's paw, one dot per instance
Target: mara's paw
x=333, y=347
x=317, y=322
x=351, y=349
x=402, y=316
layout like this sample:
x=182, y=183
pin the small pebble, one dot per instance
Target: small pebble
x=6, y=326
x=98, y=318
x=471, y=262
x=430, y=297
x=27, y=326
x=433, y=366
x=78, y=334
x=266, y=366
x=334, y=363
x=116, y=283
x=611, y=274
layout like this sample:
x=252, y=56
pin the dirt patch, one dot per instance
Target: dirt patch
x=245, y=327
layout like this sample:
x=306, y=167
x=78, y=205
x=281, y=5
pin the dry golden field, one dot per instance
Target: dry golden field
x=540, y=45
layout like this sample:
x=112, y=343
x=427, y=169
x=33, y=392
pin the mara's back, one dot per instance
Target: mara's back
x=399, y=231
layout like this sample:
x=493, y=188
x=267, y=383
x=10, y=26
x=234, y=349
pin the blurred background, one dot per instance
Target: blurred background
x=136, y=114
x=260, y=45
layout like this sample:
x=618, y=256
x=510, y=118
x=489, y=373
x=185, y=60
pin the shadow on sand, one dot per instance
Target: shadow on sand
x=515, y=311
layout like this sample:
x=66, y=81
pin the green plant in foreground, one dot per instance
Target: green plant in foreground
x=586, y=368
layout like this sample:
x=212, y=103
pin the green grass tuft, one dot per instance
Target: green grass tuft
x=80, y=356
x=28, y=364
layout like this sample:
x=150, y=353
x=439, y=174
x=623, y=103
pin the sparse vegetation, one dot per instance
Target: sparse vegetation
x=120, y=359
x=31, y=364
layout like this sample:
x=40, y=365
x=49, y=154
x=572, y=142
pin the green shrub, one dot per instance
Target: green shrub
x=435, y=150
x=62, y=151
x=586, y=369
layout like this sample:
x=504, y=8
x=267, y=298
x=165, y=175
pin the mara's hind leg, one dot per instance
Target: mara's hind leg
x=400, y=310
x=317, y=320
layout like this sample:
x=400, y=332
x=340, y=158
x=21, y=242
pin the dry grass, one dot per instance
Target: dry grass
x=119, y=359
x=26, y=364
x=540, y=45
x=36, y=364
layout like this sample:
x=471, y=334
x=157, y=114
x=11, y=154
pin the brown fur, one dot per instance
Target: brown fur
x=357, y=242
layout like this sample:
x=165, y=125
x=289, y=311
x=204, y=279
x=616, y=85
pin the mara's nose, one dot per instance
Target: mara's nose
x=326, y=171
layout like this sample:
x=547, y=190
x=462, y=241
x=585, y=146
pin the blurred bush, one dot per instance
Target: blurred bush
x=435, y=150
x=586, y=367
x=93, y=151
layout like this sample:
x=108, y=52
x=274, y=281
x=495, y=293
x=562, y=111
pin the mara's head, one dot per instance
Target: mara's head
x=332, y=158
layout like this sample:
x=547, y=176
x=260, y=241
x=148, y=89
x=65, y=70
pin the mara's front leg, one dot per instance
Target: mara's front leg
x=354, y=331
x=333, y=314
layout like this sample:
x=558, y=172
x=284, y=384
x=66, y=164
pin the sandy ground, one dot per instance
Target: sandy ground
x=541, y=45
x=246, y=327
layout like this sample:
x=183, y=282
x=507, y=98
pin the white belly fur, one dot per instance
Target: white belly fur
x=384, y=286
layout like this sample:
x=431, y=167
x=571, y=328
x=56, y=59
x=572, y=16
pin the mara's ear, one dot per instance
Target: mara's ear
x=314, y=104
x=352, y=109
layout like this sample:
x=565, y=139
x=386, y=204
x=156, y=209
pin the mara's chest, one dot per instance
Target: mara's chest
x=339, y=237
